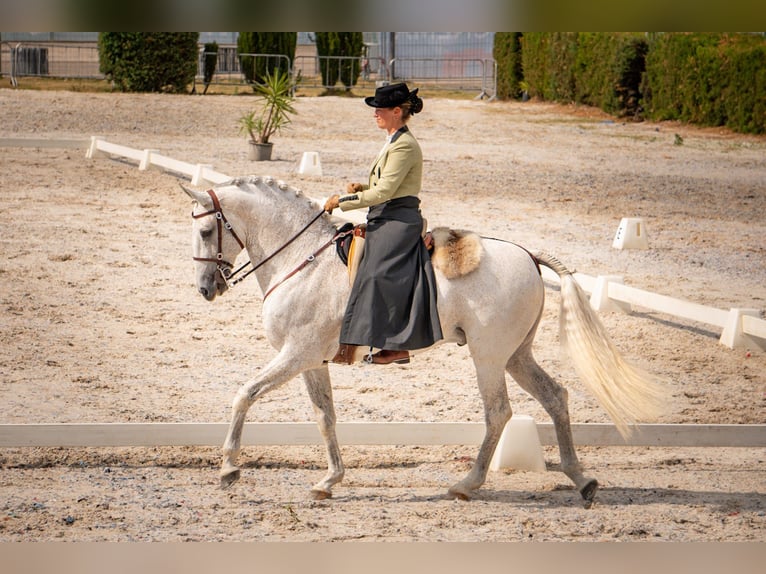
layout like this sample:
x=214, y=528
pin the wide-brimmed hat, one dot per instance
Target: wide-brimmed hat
x=390, y=96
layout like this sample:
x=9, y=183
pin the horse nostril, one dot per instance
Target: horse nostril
x=203, y=291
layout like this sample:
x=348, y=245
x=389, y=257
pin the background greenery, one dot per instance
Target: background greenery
x=711, y=79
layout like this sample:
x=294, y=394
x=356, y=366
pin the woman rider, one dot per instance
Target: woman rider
x=392, y=306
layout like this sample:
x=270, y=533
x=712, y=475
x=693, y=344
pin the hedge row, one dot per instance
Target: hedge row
x=276, y=43
x=149, y=61
x=708, y=79
x=337, y=48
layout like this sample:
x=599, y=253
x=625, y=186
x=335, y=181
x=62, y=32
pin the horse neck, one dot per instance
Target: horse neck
x=271, y=214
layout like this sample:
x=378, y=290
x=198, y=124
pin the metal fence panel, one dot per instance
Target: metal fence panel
x=81, y=60
x=52, y=59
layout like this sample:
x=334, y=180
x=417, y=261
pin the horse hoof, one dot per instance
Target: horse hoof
x=229, y=478
x=458, y=494
x=588, y=492
x=320, y=494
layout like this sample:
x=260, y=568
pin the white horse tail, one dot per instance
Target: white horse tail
x=627, y=393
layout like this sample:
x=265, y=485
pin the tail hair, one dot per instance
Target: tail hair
x=626, y=392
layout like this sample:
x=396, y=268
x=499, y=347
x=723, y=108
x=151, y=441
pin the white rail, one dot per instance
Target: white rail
x=366, y=433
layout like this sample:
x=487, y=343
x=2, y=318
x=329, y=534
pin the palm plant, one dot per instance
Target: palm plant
x=274, y=111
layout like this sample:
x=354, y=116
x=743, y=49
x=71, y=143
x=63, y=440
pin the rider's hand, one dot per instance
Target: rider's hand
x=354, y=188
x=331, y=203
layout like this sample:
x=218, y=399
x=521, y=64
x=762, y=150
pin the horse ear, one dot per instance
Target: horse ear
x=199, y=196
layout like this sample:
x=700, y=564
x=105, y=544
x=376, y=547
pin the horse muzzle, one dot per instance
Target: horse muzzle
x=210, y=287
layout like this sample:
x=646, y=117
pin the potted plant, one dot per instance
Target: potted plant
x=270, y=116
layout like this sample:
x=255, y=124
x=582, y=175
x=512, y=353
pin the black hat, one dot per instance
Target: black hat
x=391, y=96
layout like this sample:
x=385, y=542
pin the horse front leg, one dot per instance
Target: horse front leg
x=497, y=412
x=280, y=370
x=320, y=392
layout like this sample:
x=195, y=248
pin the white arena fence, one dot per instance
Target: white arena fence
x=740, y=328
x=365, y=433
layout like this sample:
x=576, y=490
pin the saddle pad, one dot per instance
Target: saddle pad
x=355, y=252
x=351, y=247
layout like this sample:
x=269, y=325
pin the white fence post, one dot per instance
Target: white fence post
x=734, y=334
x=146, y=161
x=198, y=177
x=93, y=148
x=599, y=298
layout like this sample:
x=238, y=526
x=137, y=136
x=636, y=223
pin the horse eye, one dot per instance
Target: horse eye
x=205, y=233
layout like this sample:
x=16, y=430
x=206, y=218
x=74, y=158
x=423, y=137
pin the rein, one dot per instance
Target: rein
x=225, y=268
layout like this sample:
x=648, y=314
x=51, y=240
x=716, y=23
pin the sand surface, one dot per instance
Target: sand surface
x=100, y=322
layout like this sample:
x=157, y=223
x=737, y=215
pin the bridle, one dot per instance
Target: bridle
x=225, y=268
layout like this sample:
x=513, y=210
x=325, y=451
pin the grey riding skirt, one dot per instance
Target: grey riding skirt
x=393, y=300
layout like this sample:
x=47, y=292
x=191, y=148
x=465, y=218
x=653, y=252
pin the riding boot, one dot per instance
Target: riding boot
x=386, y=357
x=345, y=354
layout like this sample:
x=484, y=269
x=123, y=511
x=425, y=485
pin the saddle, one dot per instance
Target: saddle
x=454, y=252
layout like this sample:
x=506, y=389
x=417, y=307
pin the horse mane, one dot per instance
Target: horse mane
x=270, y=187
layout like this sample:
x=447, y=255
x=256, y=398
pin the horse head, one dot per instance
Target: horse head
x=215, y=243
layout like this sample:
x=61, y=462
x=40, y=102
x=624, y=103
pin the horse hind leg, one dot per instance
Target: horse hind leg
x=554, y=398
x=497, y=412
x=320, y=393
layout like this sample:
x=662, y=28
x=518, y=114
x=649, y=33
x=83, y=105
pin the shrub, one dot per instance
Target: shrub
x=149, y=61
x=609, y=69
x=209, y=63
x=708, y=79
x=507, y=53
x=277, y=47
x=339, y=54
x=598, y=69
x=548, y=64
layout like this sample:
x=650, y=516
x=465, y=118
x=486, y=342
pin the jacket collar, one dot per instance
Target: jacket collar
x=399, y=132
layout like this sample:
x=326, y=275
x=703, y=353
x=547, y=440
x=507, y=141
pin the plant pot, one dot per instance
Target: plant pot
x=259, y=151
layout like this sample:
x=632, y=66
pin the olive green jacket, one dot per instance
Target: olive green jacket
x=397, y=172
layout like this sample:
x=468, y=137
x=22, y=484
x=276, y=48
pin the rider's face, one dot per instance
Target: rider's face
x=388, y=119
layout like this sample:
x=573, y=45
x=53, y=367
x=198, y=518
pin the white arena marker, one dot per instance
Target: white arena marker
x=310, y=164
x=631, y=234
x=519, y=447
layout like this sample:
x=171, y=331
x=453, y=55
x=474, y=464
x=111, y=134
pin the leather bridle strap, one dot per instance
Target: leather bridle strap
x=308, y=260
x=275, y=253
x=222, y=224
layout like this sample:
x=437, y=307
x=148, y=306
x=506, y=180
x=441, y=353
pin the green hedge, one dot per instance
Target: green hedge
x=609, y=71
x=507, y=53
x=344, y=45
x=707, y=79
x=149, y=61
x=548, y=63
x=713, y=79
x=596, y=69
x=277, y=43
x=209, y=62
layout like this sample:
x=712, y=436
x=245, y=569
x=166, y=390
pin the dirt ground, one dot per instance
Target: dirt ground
x=100, y=321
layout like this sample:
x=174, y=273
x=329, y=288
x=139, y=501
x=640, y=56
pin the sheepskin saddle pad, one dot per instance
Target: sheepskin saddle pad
x=455, y=252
